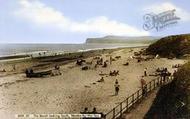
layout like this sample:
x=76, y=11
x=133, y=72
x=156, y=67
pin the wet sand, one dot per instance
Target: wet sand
x=76, y=88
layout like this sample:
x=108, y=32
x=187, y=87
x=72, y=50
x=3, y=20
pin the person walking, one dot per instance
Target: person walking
x=143, y=87
x=145, y=72
x=143, y=82
x=116, y=87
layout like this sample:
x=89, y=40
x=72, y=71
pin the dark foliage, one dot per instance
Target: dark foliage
x=171, y=46
x=172, y=100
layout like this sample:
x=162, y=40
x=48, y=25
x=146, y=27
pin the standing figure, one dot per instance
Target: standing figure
x=145, y=72
x=95, y=66
x=94, y=110
x=85, y=110
x=101, y=80
x=105, y=64
x=143, y=82
x=143, y=87
x=110, y=60
x=116, y=87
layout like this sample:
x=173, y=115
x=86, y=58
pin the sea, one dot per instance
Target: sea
x=24, y=49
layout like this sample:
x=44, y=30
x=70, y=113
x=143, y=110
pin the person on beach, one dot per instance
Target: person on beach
x=95, y=66
x=143, y=87
x=114, y=72
x=105, y=64
x=116, y=87
x=94, y=111
x=57, y=67
x=101, y=80
x=143, y=82
x=85, y=110
x=164, y=74
x=145, y=72
x=110, y=60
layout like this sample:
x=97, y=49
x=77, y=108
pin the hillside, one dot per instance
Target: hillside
x=173, y=100
x=121, y=39
x=171, y=46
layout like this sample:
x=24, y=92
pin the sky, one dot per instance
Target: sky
x=72, y=21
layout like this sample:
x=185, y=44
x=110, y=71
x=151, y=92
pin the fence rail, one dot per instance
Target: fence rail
x=135, y=98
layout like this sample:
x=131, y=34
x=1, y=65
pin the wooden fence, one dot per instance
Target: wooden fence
x=135, y=98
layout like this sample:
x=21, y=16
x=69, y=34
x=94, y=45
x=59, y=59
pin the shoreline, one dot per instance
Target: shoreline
x=58, y=53
x=48, y=62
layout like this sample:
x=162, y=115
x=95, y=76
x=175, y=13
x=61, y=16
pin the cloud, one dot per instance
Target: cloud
x=158, y=8
x=42, y=15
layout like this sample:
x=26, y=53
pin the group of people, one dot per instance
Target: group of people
x=80, y=61
x=101, y=80
x=87, y=112
x=176, y=66
x=163, y=72
x=116, y=85
x=94, y=111
x=100, y=61
x=114, y=73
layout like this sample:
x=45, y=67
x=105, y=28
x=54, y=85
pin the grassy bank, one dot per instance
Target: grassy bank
x=171, y=46
x=173, y=100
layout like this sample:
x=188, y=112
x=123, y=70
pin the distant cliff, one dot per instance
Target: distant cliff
x=121, y=39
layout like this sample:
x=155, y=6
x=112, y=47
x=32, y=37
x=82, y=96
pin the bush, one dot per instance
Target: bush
x=171, y=46
x=172, y=100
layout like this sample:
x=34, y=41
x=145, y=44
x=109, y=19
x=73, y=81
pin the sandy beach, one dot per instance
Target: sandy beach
x=75, y=89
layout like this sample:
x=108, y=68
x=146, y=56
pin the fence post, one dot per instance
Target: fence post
x=113, y=113
x=127, y=106
x=161, y=80
x=121, y=109
x=157, y=82
x=133, y=98
x=150, y=86
x=154, y=84
x=138, y=96
x=104, y=116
